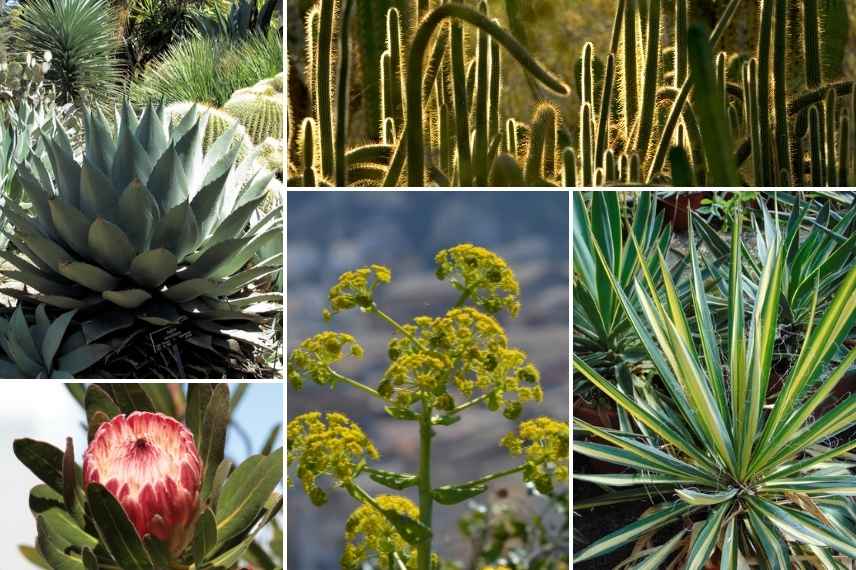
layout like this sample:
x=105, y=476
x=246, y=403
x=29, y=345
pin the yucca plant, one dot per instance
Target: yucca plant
x=45, y=349
x=754, y=481
x=819, y=248
x=149, y=228
x=154, y=490
x=82, y=36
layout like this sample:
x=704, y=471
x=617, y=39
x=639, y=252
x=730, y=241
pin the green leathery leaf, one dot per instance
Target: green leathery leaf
x=454, y=494
x=137, y=214
x=160, y=396
x=127, y=299
x=131, y=159
x=190, y=289
x=89, y=559
x=206, y=536
x=43, y=459
x=117, y=533
x=233, y=225
x=198, y=396
x=110, y=246
x=54, y=336
x=168, y=181
x=662, y=516
x=245, y=492
x=131, y=397
x=401, y=413
x=71, y=224
x=397, y=481
x=98, y=401
x=237, y=261
x=411, y=530
x=213, y=440
x=96, y=191
x=66, y=170
x=213, y=258
x=158, y=551
x=51, y=253
x=152, y=132
x=234, y=554
x=805, y=528
x=50, y=548
x=90, y=276
x=61, y=301
x=65, y=530
x=105, y=324
x=177, y=231
x=151, y=268
x=699, y=499
x=82, y=358
x=705, y=541
x=661, y=553
x=19, y=330
x=220, y=475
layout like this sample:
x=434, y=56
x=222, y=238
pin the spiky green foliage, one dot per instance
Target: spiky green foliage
x=82, y=36
x=756, y=480
x=219, y=122
x=45, y=349
x=209, y=70
x=261, y=115
x=148, y=226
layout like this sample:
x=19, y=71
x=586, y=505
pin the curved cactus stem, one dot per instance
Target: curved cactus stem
x=435, y=62
x=343, y=91
x=323, y=87
x=416, y=158
x=711, y=114
x=569, y=168
x=605, y=106
x=397, y=106
x=815, y=134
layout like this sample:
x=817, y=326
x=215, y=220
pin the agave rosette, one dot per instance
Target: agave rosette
x=146, y=225
x=760, y=475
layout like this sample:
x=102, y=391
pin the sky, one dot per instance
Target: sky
x=46, y=411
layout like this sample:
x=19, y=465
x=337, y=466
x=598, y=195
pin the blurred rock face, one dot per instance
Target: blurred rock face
x=329, y=233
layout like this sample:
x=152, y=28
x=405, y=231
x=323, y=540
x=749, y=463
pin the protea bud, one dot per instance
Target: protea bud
x=150, y=463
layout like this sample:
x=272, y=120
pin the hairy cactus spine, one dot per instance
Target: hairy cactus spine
x=543, y=123
x=605, y=105
x=780, y=72
x=482, y=90
x=386, y=86
x=680, y=42
x=811, y=44
x=396, y=77
x=649, y=86
x=586, y=150
x=343, y=92
x=324, y=89
x=416, y=158
x=631, y=95
x=587, y=82
x=372, y=36
x=462, y=121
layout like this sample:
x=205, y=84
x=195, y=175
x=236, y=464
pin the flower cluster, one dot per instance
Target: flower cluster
x=356, y=288
x=545, y=444
x=466, y=347
x=336, y=448
x=370, y=534
x=313, y=358
x=481, y=275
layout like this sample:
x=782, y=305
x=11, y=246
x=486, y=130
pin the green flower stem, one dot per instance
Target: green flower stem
x=469, y=404
x=394, y=324
x=355, y=383
x=465, y=294
x=426, y=498
x=493, y=476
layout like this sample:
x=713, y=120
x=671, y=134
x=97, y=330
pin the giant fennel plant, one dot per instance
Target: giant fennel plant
x=756, y=478
x=438, y=368
x=150, y=228
x=154, y=490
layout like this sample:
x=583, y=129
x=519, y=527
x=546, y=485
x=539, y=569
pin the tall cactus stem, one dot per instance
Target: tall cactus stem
x=543, y=126
x=324, y=89
x=765, y=29
x=649, y=87
x=811, y=44
x=815, y=135
x=605, y=106
x=681, y=26
x=830, y=124
x=780, y=78
x=495, y=88
x=343, y=92
x=587, y=82
x=569, y=168
x=307, y=147
x=587, y=152
x=843, y=151
x=482, y=92
x=629, y=68
x=460, y=97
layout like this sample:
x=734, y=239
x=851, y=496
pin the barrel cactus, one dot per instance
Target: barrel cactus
x=260, y=114
x=147, y=227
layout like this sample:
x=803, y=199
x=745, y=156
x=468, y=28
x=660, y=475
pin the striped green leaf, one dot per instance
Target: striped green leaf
x=705, y=541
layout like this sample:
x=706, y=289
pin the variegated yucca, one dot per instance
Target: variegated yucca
x=759, y=479
x=146, y=226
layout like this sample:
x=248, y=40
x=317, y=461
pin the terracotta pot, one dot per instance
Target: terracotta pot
x=678, y=206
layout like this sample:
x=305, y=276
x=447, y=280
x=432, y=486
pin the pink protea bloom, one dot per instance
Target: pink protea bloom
x=150, y=463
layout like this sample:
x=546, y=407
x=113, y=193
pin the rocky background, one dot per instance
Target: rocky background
x=332, y=232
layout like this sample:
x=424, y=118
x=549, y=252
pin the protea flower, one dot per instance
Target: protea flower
x=150, y=463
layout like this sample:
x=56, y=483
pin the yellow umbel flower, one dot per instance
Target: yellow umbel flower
x=336, y=448
x=356, y=288
x=545, y=443
x=483, y=275
x=312, y=359
x=369, y=534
